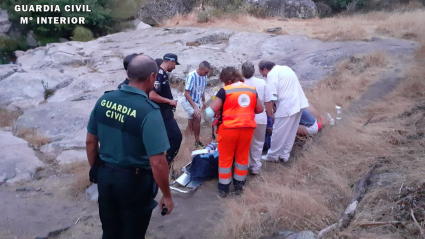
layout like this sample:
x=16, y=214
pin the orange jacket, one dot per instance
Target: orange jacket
x=239, y=106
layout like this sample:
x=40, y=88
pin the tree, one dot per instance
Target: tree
x=98, y=20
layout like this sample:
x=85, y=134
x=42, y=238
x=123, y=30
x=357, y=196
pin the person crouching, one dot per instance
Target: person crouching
x=238, y=103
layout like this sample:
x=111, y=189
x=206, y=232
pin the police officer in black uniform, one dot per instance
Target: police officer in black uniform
x=161, y=94
x=126, y=61
x=132, y=137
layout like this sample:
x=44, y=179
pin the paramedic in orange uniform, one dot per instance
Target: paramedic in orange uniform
x=238, y=103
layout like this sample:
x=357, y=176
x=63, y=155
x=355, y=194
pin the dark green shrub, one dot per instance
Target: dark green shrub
x=7, y=47
x=47, y=91
x=82, y=34
x=339, y=5
x=7, y=44
x=225, y=5
x=203, y=17
x=103, y=16
x=256, y=11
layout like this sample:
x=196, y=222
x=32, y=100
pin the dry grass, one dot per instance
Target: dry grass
x=191, y=19
x=81, y=172
x=8, y=118
x=349, y=80
x=399, y=120
x=339, y=29
x=31, y=135
x=402, y=24
x=407, y=25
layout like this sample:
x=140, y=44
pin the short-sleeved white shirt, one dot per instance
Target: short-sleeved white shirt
x=283, y=82
x=264, y=94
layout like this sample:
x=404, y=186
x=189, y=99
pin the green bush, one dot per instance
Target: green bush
x=203, y=17
x=103, y=16
x=338, y=5
x=7, y=44
x=82, y=34
x=46, y=40
x=124, y=9
x=7, y=47
x=225, y=5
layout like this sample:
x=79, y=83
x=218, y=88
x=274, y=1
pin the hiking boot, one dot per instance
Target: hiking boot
x=222, y=194
x=238, y=190
x=199, y=145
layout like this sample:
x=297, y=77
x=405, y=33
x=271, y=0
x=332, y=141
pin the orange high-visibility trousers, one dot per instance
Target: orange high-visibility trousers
x=233, y=144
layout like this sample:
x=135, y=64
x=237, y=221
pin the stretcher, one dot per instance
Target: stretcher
x=184, y=184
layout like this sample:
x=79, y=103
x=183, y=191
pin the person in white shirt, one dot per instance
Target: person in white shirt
x=265, y=96
x=290, y=100
x=196, y=82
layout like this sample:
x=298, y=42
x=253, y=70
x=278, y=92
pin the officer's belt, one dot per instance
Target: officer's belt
x=128, y=170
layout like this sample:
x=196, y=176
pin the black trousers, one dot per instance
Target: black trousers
x=125, y=202
x=174, y=137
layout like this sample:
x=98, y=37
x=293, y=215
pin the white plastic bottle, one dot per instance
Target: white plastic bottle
x=331, y=120
x=338, y=112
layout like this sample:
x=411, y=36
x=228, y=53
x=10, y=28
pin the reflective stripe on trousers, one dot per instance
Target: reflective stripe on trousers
x=240, y=172
x=224, y=175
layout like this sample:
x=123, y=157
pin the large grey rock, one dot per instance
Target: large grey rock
x=72, y=156
x=155, y=11
x=25, y=90
x=19, y=53
x=4, y=21
x=8, y=70
x=141, y=26
x=285, y=234
x=18, y=161
x=57, y=121
x=287, y=8
x=31, y=40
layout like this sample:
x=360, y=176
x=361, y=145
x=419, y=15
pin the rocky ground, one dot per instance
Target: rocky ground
x=78, y=73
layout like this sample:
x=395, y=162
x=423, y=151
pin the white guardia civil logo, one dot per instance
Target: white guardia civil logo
x=156, y=84
x=244, y=100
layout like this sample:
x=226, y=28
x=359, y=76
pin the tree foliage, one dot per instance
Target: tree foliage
x=82, y=34
x=104, y=14
x=338, y=5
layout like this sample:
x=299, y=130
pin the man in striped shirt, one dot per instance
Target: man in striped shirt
x=194, y=89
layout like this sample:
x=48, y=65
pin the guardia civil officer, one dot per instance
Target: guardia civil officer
x=133, y=140
x=161, y=94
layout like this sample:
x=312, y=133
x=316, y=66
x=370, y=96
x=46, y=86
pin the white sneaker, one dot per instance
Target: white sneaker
x=256, y=172
x=265, y=158
x=284, y=159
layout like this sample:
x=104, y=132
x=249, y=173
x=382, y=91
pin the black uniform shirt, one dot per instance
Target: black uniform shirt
x=162, y=88
x=125, y=82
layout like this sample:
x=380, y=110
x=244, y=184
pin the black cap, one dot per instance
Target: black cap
x=127, y=60
x=171, y=57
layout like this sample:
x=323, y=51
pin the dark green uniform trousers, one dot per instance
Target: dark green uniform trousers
x=126, y=201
